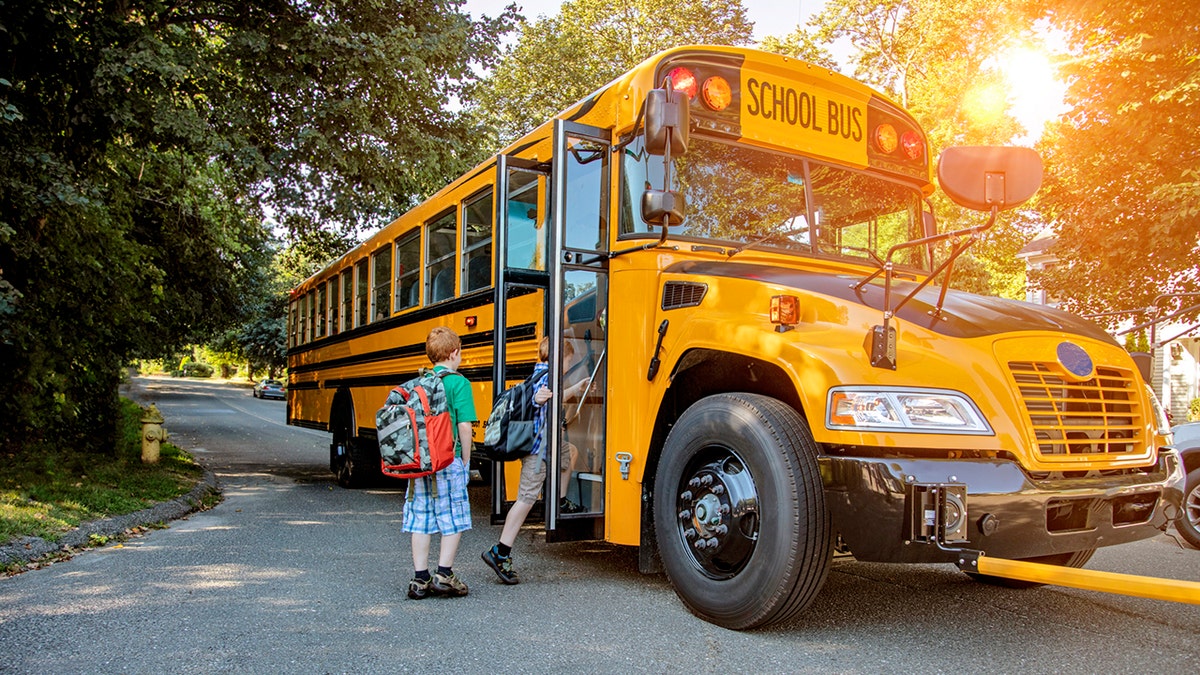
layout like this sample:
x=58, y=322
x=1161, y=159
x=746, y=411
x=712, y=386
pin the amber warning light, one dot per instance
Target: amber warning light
x=785, y=312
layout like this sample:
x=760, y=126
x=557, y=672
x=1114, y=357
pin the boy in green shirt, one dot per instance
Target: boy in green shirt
x=447, y=509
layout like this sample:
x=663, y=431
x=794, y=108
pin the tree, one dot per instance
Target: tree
x=263, y=339
x=559, y=60
x=1123, y=166
x=938, y=59
x=142, y=142
x=800, y=44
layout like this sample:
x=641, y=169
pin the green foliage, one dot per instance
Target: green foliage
x=1123, y=184
x=1194, y=410
x=144, y=141
x=561, y=59
x=800, y=44
x=1137, y=342
x=197, y=369
x=47, y=494
x=938, y=59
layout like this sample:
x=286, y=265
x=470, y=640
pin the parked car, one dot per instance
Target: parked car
x=270, y=389
x=1187, y=442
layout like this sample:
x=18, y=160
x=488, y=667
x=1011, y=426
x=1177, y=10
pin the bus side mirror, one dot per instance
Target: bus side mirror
x=666, y=121
x=985, y=177
x=658, y=205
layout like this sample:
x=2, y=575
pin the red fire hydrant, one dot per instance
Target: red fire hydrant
x=153, y=434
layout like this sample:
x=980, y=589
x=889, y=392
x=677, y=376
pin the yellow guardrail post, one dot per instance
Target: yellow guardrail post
x=1093, y=580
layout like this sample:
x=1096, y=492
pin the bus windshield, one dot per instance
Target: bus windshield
x=743, y=195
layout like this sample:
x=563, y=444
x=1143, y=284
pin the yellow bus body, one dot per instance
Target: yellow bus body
x=1055, y=474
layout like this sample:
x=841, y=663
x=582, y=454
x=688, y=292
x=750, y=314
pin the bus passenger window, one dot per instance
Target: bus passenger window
x=408, y=271
x=477, y=244
x=348, y=299
x=319, y=313
x=382, y=288
x=333, y=305
x=306, y=307
x=439, y=258
x=360, y=294
x=292, y=334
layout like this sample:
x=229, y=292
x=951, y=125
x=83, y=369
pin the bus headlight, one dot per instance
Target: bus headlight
x=904, y=410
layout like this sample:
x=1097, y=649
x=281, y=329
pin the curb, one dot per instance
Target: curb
x=29, y=549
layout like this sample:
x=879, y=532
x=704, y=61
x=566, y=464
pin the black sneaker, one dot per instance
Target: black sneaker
x=567, y=506
x=418, y=589
x=449, y=585
x=501, y=566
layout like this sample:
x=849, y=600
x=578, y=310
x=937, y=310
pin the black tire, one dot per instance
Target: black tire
x=1074, y=559
x=1188, y=524
x=739, y=473
x=354, y=463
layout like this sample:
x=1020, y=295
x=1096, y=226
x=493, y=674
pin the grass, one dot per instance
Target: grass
x=47, y=494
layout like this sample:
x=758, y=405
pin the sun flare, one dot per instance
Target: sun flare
x=1035, y=92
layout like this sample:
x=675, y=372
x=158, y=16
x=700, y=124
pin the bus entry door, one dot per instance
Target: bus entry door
x=522, y=239
x=578, y=313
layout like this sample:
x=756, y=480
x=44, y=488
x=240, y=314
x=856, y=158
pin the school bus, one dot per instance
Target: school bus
x=738, y=251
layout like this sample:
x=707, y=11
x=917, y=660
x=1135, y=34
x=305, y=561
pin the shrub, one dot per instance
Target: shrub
x=196, y=369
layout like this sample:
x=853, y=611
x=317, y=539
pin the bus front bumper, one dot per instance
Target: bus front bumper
x=883, y=508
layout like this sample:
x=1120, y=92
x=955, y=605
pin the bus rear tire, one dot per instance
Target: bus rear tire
x=1074, y=559
x=354, y=463
x=739, y=511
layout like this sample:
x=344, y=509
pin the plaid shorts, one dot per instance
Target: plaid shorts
x=449, y=512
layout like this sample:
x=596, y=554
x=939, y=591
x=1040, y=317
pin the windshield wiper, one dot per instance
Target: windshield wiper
x=734, y=251
x=870, y=254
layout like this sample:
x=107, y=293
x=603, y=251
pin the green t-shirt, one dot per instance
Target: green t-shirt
x=461, y=402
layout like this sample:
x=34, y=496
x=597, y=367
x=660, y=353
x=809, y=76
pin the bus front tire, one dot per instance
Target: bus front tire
x=739, y=511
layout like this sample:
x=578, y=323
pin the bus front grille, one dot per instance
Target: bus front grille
x=1098, y=416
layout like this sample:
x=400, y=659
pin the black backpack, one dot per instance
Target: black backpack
x=509, y=431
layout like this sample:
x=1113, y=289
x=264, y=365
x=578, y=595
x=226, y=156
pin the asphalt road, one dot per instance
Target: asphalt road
x=292, y=574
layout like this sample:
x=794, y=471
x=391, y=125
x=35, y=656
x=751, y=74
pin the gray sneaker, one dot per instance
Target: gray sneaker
x=418, y=589
x=503, y=567
x=450, y=586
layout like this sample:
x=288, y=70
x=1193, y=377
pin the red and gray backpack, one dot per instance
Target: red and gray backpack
x=416, y=436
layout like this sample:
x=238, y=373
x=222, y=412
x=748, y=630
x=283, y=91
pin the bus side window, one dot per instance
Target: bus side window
x=408, y=271
x=439, y=257
x=348, y=299
x=334, y=327
x=382, y=288
x=360, y=294
x=477, y=243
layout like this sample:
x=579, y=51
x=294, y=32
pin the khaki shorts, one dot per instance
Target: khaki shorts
x=533, y=474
